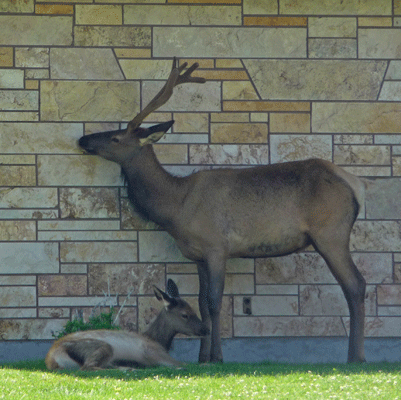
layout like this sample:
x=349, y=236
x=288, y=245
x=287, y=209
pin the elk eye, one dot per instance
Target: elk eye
x=184, y=316
x=115, y=140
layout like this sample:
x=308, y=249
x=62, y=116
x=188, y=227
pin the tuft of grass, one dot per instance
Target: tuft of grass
x=28, y=380
x=102, y=321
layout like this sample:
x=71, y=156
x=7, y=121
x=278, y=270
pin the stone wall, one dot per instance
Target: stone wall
x=286, y=80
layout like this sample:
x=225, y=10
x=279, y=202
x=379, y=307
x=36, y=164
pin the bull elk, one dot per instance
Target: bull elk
x=264, y=211
x=99, y=349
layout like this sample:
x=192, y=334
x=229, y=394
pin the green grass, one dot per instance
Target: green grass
x=29, y=380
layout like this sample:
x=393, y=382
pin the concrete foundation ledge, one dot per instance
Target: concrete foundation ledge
x=286, y=350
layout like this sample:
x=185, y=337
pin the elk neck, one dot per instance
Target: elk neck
x=161, y=331
x=155, y=194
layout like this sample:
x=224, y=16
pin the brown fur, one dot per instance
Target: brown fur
x=265, y=211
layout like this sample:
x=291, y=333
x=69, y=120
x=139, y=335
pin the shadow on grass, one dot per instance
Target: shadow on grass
x=217, y=370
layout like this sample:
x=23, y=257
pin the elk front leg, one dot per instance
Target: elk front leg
x=204, y=354
x=216, y=274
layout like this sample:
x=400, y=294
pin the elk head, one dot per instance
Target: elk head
x=124, y=144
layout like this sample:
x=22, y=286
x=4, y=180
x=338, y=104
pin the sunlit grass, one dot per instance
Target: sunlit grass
x=30, y=380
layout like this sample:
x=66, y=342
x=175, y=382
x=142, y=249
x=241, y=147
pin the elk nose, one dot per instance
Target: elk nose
x=204, y=331
x=83, y=142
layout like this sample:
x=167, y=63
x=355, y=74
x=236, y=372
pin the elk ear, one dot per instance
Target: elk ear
x=172, y=289
x=164, y=297
x=155, y=133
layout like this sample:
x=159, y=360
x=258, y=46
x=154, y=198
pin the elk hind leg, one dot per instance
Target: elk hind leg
x=335, y=251
x=91, y=354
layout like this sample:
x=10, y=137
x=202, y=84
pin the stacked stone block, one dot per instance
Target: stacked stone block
x=286, y=80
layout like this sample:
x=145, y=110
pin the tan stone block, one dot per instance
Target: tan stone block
x=268, y=305
x=241, y=90
x=87, y=235
x=260, y=7
x=16, y=159
x=239, y=284
x=390, y=91
x=6, y=56
x=84, y=63
x=65, y=225
x=277, y=290
x=389, y=295
x=375, y=22
x=88, y=100
x=275, y=21
x=98, y=251
x=299, y=147
x=205, y=1
x=54, y=9
x=32, y=57
x=113, y=36
x=380, y=326
x=332, y=48
x=11, y=79
x=181, y=15
x=76, y=301
x=29, y=258
x=331, y=27
x=23, y=280
x=133, y=53
x=266, y=106
x=191, y=122
x=73, y=269
x=158, y=246
x=181, y=268
x=228, y=63
x=353, y=139
x=62, y=285
x=229, y=154
x=171, y=153
x=59, y=170
x=334, y=7
x=35, y=214
x=34, y=30
x=379, y=43
x=240, y=265
x=238, y=133
x=228, y=42
x=17, y=6
x=31, y=84
x=121, y=279
x=89, y=203
x=146, y=69
x=204, y=63
x=363, y=155
x=289, y=123
x=288, y=326
x=17, y=230
x=320, y=79
x=40, y=137
x=15, y=296
x=229, y=117
x=17, y=313
x=19, y=116
x=37, y=73
x=199, y=98
x=259, y=117
x=396, y=161
x=356, y=118
x=394, y=70
x=219, y=75
x=369, y=171
x=17, y=175
x=98, y=14
x=376, y=236
x=30, y=329
x=19, y=100
x=54, y=312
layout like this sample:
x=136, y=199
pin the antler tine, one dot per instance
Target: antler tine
x=166, y=92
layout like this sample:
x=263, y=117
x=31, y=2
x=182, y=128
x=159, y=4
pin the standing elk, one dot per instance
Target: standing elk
x=265, y=211
x=103, y=348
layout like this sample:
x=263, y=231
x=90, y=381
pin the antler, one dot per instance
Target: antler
x=165, y=93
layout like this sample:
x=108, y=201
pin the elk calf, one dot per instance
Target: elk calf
x=265, y=211
x=99, y=349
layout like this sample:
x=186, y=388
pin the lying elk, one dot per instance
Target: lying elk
x=265, y=211
x=99, y=349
